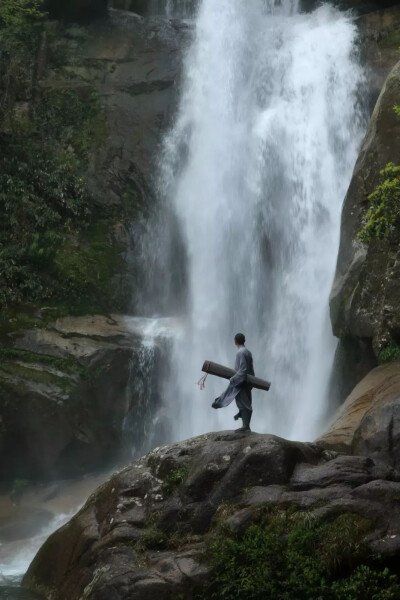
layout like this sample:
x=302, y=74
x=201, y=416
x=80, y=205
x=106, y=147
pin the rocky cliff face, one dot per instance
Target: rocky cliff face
x=365, y=297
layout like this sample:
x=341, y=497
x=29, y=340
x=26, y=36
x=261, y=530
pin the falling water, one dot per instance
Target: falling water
x=255, y=170
x=146, y=424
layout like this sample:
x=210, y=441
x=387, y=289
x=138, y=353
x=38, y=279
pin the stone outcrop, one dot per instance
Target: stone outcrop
x=135, y=64
x=367, y=423
x=65, y=391
x=365, y=298
x=143, y=533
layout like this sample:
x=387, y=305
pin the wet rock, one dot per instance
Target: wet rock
x=162, y=554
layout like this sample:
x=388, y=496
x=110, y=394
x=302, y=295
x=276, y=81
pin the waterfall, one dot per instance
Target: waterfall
x=254, y=172
x=145, y=424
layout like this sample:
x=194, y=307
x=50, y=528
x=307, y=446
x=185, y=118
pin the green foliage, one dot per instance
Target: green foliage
x=19, y=17
x=383, y=216
x=367, y=584
x=174, y=479
x=72, y=118
x=55, y=244
x=389, y=353
x=289, y=556
x=42, y=200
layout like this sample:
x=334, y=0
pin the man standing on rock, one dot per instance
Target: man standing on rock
x=238, y=388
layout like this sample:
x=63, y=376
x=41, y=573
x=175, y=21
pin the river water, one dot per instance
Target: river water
x=40, y=510
x=252, y=179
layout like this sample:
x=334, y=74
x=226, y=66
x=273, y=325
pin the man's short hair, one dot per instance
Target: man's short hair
x=240, y=339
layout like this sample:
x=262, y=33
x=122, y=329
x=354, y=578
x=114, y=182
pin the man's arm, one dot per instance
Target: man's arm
x=241, y=372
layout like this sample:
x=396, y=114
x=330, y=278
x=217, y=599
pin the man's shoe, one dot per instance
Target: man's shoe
x=237, y=417
x=242, y=429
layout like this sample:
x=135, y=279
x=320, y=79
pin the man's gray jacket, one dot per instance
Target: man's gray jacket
x=238, y=389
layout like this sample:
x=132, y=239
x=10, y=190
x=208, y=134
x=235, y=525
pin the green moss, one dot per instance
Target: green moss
x=86, y=267
x=37, y=375
x=289, y=555
x=174, y=479
x=40, y=368
x=68, y=366
x=12, y=319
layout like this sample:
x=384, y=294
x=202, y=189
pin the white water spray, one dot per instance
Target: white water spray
x=256, y=168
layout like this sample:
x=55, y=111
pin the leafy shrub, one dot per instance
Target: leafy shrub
x=383, y=216
x=297, y=557
x=174, y=479
x=367, y=584
x=46, y=210
x=389, y=353
x=42, y=200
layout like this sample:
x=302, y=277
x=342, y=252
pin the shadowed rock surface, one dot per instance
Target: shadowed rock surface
x=142, y=534
x=63, y=396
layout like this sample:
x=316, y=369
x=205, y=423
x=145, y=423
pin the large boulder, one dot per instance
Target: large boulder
x=365, y=297
x=65, y=393
x=368, y=422
x=143, y=533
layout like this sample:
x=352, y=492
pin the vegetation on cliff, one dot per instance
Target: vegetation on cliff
x=383, y=216
x=56, y=243
x=289, y=554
